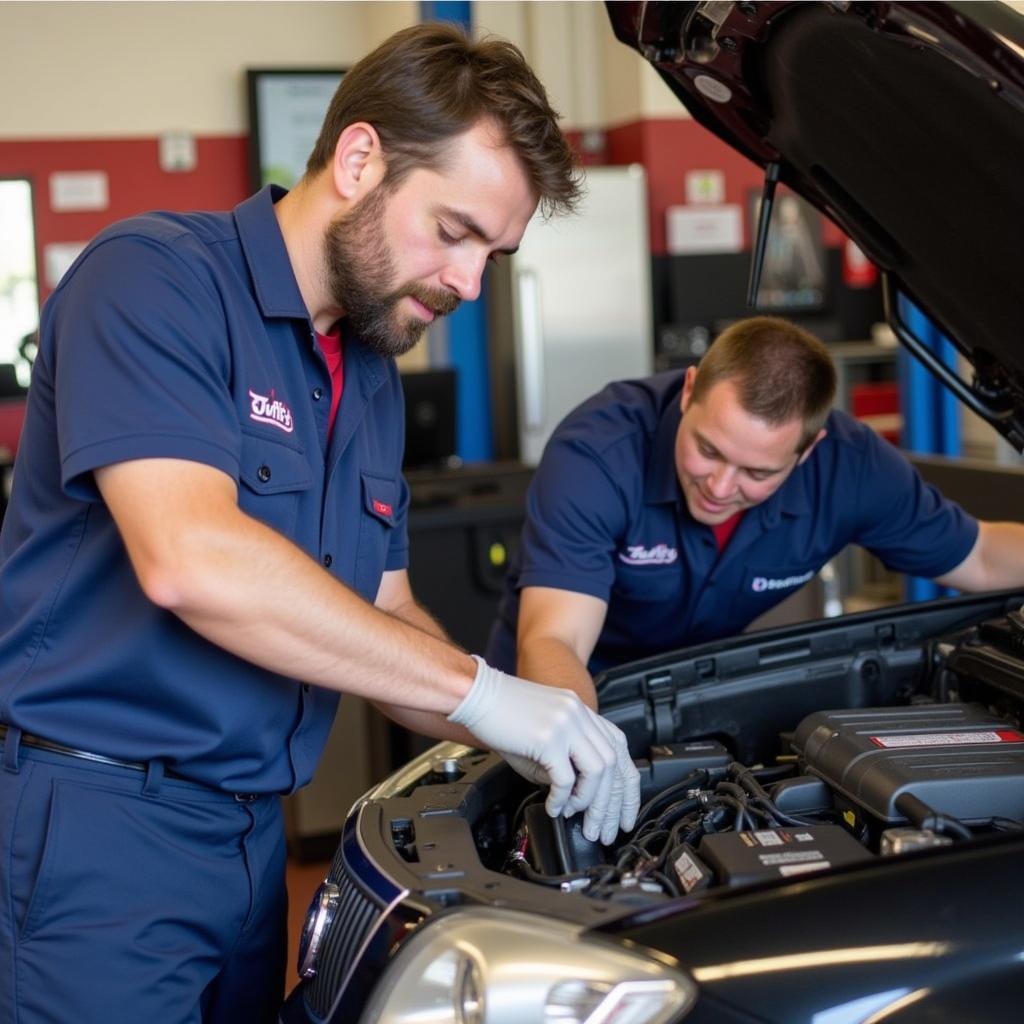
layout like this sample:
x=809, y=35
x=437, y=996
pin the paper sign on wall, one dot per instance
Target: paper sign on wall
x=705, y=187
x=692, y=230
x=79, y=190
x=57, y=257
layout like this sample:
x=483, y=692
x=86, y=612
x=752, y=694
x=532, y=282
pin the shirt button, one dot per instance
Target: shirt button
x=305, y=687
x=318, y=393
x=263, y=473
x=328, y=560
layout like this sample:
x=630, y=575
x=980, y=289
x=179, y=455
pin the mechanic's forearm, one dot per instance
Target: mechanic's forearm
x=553, y=662
x=1004, y=555
x=416, y=615
x=251, y=591
x=427, y=723
x=995, y=563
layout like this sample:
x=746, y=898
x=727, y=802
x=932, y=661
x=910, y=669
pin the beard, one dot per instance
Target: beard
x=360, y=272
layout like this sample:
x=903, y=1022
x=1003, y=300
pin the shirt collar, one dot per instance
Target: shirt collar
x=662, y=483
x=791, y=499
x=277, y=291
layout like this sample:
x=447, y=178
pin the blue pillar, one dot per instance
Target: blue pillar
x=467, y=327
x=931, y=414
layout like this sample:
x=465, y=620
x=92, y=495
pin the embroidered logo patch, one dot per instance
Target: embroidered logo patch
x=270, y=409
x=382, y=508
x=759, y=584
x=659, y=554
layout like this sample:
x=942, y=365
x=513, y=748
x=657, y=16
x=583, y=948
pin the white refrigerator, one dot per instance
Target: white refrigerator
x=571, y=311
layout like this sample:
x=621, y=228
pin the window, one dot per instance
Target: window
x=19, y=290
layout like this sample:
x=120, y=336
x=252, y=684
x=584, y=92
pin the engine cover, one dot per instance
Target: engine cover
x=957, y=758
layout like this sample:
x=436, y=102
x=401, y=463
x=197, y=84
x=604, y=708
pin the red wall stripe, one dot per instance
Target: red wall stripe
x=667, y=147
x=136, y=182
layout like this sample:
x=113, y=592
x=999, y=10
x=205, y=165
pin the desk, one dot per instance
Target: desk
x=985, y=489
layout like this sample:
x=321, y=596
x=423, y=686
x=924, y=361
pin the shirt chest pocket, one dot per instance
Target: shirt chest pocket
x=644, y=583
x=376, y=524
x=274, y=477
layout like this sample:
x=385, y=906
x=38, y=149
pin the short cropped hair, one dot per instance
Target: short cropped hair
x=781, y=371
x=427, y=84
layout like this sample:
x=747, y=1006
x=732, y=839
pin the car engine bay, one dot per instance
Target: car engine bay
x=940, y=765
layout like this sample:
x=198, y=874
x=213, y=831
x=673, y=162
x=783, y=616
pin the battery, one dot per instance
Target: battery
x=739, y=858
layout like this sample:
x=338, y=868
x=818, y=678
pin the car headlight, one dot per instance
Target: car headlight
x=485, y=965
x=319, y=918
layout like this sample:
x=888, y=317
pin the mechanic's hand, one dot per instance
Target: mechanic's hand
x=623, y=792
x=565, y=744
x=530, y=770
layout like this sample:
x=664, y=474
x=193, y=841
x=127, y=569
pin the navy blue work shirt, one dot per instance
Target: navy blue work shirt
x=606, y=516
x=185, y=336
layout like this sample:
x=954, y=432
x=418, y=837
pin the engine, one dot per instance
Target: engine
x=844, y=787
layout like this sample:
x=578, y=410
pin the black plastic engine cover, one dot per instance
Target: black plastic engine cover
x=957, y=758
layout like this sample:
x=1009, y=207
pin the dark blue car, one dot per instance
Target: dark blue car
x=833, y=826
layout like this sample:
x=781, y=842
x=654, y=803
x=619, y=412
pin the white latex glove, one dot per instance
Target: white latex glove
x=616, y=804
x=624, y=792
x=551, y=728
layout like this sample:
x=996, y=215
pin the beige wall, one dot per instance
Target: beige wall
x=107, y=70
x=135, y=69
x=122, y=70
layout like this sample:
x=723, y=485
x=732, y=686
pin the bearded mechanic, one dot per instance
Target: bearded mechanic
x=676, y=509
x=206, y=544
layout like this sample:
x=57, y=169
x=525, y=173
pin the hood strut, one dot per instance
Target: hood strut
x=764, y=217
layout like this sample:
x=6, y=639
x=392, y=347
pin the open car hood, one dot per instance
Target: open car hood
x=903, y=123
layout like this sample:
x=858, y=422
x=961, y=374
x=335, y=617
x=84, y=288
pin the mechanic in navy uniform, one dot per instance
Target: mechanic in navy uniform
x=676, y=509
x=207, y=542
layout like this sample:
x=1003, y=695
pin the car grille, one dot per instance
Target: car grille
x=354, y=921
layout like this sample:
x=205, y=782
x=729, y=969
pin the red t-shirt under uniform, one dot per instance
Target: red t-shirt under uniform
x=723, y=531
x=330, y=345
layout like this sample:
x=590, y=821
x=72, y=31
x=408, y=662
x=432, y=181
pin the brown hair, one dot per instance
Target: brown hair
x=427, y=84
x=781, y=372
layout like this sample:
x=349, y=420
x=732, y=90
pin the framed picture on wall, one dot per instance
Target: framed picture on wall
x=794, y=278
x=286, y=109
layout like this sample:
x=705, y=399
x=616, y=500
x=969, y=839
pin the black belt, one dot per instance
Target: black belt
x=38, y=743
x=58, y=748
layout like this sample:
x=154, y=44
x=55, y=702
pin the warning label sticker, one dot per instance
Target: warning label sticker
x=949, y=739
x=773, y=837
x=687, y=871
x=790, y=857
x=800, y=869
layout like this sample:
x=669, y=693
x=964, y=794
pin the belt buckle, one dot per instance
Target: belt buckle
x=246, y=798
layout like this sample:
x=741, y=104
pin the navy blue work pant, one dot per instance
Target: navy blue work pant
x=127, y=898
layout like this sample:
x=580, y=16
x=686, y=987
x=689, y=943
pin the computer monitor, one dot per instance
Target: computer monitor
x=429, y=418
x=286, y=109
